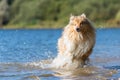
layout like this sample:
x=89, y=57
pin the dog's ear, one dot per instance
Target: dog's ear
x=83, y=15
x=71, y=17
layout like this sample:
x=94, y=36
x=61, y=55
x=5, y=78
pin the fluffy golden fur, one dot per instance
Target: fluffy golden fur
x=76, y=43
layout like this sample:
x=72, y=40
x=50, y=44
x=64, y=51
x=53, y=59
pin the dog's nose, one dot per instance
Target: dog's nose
x=78, y=29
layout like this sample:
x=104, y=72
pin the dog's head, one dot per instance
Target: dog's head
x=79, y=23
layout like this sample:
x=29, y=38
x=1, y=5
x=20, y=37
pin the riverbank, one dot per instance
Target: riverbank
x=51, y=26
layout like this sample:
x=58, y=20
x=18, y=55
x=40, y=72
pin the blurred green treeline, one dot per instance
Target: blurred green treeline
x=55, y=13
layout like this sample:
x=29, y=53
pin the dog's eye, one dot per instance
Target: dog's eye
x=83, y=23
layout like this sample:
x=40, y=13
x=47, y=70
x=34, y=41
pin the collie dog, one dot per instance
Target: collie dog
x=76, y=43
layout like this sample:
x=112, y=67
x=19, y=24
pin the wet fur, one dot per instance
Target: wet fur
x=74, y=47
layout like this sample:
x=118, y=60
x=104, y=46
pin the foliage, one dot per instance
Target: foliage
x=4, y=12
x=55, y=13
x=118, y=16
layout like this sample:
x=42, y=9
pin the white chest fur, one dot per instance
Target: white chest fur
x=79, y=48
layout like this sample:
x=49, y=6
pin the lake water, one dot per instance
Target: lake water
x=24, y=55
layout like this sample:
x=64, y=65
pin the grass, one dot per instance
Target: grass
x=55, y=25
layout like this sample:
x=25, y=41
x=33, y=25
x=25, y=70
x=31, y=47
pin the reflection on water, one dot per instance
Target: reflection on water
x=27, y=54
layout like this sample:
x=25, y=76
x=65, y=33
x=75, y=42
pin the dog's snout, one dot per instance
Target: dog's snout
x=78, y=29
